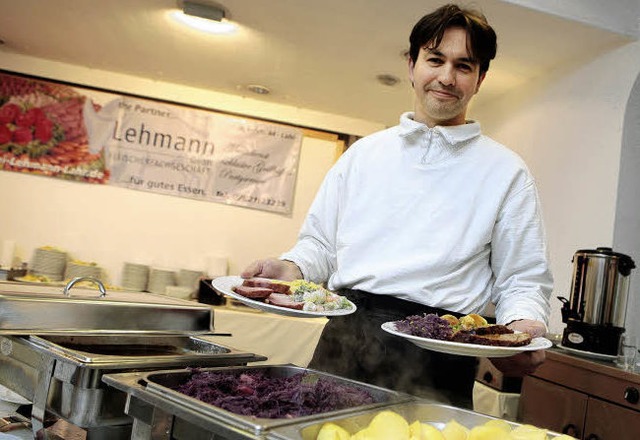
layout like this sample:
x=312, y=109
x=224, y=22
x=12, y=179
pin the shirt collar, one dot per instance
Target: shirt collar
x=454, y=134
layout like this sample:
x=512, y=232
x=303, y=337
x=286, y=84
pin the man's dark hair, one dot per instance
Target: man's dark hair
x=481, y=41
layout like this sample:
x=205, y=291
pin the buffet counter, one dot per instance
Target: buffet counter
x=283, y=339
x=586, y=398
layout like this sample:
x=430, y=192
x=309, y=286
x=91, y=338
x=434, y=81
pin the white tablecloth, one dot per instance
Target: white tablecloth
x=283, y=339
x=495, y=403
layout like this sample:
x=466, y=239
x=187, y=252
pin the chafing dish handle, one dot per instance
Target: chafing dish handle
x=67, y=289
x=40, y=396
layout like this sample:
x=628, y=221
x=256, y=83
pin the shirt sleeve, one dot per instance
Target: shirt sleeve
x=315, y=250
x=523, y=280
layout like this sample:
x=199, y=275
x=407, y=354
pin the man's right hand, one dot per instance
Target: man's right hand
x=273, y=268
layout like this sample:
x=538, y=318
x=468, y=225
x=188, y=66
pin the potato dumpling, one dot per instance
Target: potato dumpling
x=424, y=431
x=499, y=423
x=452, y=320
x=386, y=425
x=484, y=432
x=528, y=432
x=455, y=431
x=472, y=321
x=331, y=431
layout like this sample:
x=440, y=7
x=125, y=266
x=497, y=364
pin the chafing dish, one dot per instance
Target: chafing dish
x=426, y=412
x=62, y=374
x=55, y=348
x=156, y=407
x=22, y=306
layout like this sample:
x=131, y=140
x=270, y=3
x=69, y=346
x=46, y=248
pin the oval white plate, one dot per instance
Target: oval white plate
x=467, y=349
x=225, y=285
x=588, y=354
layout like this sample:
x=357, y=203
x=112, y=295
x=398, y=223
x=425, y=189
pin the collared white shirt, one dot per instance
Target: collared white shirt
x=443, y=216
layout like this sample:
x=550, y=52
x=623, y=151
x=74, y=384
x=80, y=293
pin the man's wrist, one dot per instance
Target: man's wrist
x=295, y=266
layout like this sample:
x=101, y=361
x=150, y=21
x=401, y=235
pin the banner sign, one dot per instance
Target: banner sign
x=72, y=133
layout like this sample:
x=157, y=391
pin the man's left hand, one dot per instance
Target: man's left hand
x=527, y=362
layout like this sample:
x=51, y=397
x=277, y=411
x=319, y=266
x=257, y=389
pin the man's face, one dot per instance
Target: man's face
x=444, y=79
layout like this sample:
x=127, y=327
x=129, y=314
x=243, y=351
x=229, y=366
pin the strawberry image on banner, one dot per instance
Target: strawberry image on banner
x=42, y=131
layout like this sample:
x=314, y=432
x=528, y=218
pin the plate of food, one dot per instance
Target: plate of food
x=290, y=298
x=470, y=335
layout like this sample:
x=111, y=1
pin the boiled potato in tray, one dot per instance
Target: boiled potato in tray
x=389, y=425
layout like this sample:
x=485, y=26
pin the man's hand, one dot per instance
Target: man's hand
x=273, y=268
x=520, y=364
x=527, y=362
x=534, y=328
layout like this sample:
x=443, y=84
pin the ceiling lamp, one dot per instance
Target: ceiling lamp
x=205, y=17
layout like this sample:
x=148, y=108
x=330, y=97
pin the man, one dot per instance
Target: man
x=429, y=216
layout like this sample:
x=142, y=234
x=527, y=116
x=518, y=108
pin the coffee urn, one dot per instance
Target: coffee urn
x=595, y=313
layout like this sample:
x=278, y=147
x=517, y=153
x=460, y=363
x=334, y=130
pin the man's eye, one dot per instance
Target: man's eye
x=434, y=60
x=465, y=67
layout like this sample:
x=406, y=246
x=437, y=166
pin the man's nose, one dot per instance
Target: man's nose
x=447, y=76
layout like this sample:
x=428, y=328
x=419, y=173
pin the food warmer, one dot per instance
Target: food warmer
x=161, y=412
x=56, y=346
x=595, y=314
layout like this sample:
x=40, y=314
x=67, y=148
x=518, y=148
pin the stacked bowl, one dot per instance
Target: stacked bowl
x=49, y=262
x=76, y=268
x=159, y=279
x=135, y=276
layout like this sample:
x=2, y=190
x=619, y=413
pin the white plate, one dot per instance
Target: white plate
x=224, y=285
x=467, y=349
x=588, y=354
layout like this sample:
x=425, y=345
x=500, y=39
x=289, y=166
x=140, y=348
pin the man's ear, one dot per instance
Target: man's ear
x=480, y=79
x=411, y=66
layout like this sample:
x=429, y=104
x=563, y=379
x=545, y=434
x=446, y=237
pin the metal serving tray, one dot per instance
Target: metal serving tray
x=153, y=402
x=424, y=411
x=62, y=374
x=43, y=310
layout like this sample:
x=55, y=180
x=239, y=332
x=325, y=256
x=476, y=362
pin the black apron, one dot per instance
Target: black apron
x=354, y=346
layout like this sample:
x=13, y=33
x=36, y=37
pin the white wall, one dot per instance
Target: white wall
x=568, y=128
x=619, y=16
x=627, y=226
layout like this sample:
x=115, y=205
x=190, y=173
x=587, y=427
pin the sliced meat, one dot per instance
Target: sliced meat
x=498, y=335
x=495, y=329
x=504, y=340
x=265, y=282
x=284, y=300
x=253, y=292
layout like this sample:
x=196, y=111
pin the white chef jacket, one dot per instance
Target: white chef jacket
x=443, y=216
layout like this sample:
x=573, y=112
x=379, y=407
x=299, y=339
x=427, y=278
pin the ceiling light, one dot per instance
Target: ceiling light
x=205, y=17
x=258, y=89
x=387, y=79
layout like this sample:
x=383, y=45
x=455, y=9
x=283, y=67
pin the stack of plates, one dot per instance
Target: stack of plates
x=159, y=279
x=190, y=280
x=82, y=269
x=135, y=276
x=49, y=262
x=181, y=292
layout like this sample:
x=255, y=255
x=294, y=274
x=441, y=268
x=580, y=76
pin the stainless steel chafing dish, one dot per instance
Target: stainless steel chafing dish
x=424, y=411
x=27, y=309
x=157, y=408
x=55, y=348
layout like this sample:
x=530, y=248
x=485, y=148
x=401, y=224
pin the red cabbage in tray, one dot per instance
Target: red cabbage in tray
x=254, y=393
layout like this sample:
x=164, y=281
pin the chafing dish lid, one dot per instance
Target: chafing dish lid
x=33, y=309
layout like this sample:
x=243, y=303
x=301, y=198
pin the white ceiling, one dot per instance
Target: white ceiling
x=323, y=55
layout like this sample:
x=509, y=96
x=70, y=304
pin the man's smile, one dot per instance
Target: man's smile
x=443, y=94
